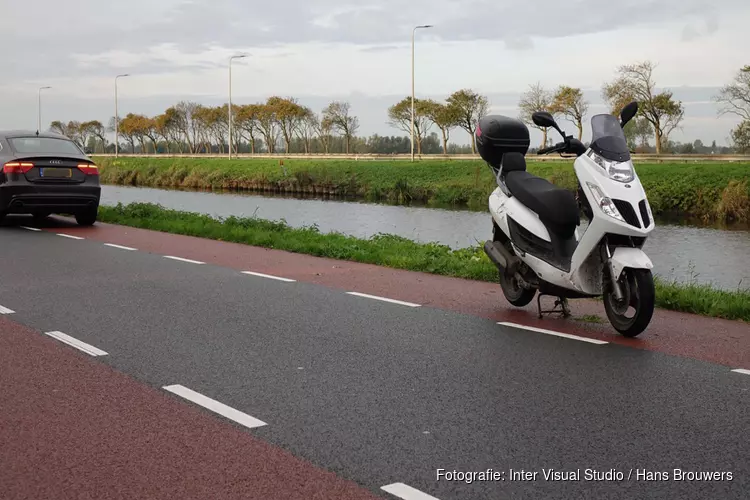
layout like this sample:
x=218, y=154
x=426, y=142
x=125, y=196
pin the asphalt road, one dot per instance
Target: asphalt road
x=382, y=393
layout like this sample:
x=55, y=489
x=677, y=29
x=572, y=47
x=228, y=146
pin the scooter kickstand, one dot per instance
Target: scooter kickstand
x=561, y=301
x=565, y=307
x=539, y=304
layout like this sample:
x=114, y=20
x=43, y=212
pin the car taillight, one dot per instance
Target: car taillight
x=88, y=169
x=17, y=168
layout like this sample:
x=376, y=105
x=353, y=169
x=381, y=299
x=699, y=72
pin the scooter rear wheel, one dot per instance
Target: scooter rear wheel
x=638, y=293
x=514, y=292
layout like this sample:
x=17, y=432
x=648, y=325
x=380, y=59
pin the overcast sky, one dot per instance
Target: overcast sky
x=318, y=50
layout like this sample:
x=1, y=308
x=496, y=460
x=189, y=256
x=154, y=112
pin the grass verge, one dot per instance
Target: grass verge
x=391, y=251
x=714, y=192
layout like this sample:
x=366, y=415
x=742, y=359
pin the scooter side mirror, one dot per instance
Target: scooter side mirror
x=545, y=120
x=628, y=112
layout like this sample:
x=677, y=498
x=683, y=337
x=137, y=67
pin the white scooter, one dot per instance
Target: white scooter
x=537, y=244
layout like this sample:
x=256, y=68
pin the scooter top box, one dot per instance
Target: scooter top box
x=497, y=135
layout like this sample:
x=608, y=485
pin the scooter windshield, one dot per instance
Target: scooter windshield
x=608, y=139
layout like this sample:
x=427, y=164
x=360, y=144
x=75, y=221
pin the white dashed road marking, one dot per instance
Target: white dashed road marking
x=69, y=236
x=30, y=228
x=183, y=260
x=268, y=276
x=82, y=346
x=406, y=492
x=393, y=301
x=119, y=246
x=215, y=406
x=557, y=334
x=5, y=310
x=742, y=370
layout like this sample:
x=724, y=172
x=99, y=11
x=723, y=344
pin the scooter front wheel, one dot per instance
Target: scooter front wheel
x=638, y=292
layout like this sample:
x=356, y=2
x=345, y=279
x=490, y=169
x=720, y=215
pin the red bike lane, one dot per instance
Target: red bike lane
x=75, y=428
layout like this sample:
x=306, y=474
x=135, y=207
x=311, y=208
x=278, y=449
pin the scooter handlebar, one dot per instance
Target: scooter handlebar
x=560, y=146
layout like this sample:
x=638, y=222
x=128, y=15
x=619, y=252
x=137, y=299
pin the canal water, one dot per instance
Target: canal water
x=686, y=253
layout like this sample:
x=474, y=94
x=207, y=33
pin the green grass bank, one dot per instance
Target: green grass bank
x=391, y=251
x=712, y=191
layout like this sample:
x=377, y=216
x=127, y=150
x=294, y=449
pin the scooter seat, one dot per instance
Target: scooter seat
x=556, y=207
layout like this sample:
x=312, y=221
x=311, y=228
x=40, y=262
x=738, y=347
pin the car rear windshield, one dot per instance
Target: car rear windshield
x=43, y=145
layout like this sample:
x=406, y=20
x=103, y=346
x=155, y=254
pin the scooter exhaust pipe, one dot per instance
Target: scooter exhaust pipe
x=498, y=254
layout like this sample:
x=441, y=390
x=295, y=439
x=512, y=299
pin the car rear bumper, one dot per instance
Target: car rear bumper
x=24, y=199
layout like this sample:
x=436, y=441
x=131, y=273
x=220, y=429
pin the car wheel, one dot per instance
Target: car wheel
x=87, y=217
x=41, y=216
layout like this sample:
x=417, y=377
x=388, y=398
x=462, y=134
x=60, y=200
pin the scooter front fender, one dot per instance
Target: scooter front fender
x=627, y=257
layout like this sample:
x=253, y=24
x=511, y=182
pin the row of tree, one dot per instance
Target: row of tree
x=658, y=114
x=283, y=123
x=189, y=127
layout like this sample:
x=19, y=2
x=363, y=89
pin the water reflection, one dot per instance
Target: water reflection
x=678, y=251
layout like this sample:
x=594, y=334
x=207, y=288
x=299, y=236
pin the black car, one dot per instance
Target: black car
x=47, y=173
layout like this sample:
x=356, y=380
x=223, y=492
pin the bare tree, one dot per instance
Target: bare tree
x=636, y=83
x=324, y=129
x=307, y=128
x=184, y=121
x=337, y=113
x=734, y=97
x=536, y=99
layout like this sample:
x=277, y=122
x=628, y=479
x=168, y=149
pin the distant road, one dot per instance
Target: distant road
x=138, y=364
x=406, y=157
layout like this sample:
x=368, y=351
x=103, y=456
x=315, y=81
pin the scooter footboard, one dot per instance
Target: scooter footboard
x=627, y=257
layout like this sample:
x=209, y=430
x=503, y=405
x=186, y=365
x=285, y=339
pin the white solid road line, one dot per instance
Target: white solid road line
x=5, y=310
x=268, y=276
x=119, y=246
x=30, y=228
x=742, y=370
x=406, y=492
x=557, y=334
x=83, y=346
x=69, y=236
x=393, y=301
x=183, y=260
x=215, y=406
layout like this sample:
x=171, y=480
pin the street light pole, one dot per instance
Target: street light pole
x=230, y=101
x=39, y=110
x=117, y=118
x=412, y=85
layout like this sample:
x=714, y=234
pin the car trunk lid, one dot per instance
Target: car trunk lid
x=50, y=169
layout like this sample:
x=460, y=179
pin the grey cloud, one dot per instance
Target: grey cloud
x=689, y=33
x=195, y=25
x=712, y=25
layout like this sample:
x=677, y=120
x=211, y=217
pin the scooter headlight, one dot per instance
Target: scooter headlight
x=617, y=171
x=605, y=203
